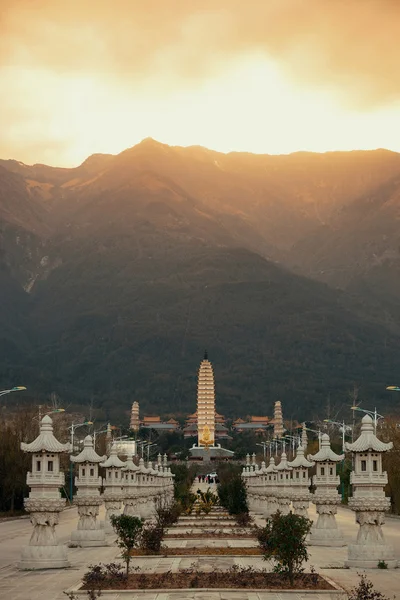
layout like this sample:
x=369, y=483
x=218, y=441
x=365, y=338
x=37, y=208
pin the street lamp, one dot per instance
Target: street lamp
x=148, y=450
x=264, y=445
x=95, y=433
x=372, y=413
x=294, y=440
x=318, y=431
x=40, y=416
x=17, y=388
x=344, y=429
x=72, y=427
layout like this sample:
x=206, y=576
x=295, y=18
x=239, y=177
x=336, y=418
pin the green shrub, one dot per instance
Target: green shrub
x=283, y=539
x=128, y=530
x=232, y=495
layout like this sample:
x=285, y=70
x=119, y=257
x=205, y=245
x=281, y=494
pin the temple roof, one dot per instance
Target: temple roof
x=325, y=453
x=368, y=439
x=88, y=453
x=46, y=442
x=113, y=460
x=300, y=460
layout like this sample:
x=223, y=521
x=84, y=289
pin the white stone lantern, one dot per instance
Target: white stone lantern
x=112, y=483
x=145, y=510
x=130, y=490
x=369, y=501
x=325, y=531
x=300, y=483
x=88, y=498
x=272, y=505
x=45, y=503
x=283, y=485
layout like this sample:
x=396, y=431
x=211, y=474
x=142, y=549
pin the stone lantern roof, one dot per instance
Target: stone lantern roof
x=325, y=454
x=130, y=465
x=142, y=467
x=46, y=442
x=271, y=467
x=300, y=460
x=88, y=453
x=368, y=439
x=283, y=465
x=113, y=460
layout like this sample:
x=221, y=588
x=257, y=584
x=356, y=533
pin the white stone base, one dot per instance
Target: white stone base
x=87, y=538
x=326, y=537
x=43, y=557
x=367, y=557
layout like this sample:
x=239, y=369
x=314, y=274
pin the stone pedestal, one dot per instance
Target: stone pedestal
x=44, y=551
x=325, y=531
x=284, y=501
x=113, y=507
x=131, y=505
x=370, y=547
x=88, y=532
x=300, y=505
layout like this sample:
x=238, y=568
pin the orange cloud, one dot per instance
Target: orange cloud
x=348, y=46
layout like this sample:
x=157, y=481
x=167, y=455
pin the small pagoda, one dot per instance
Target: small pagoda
x=112, y=484
x=369, y=501
x=325, y=531
x=45, y=503
x=300, y=483
x=130, y=489
x=88, y=498
x=283, y=485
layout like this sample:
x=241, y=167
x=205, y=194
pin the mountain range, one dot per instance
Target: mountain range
x=117, y=274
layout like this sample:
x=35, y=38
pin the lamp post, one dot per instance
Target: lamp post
x=371, y=413
x=39, y=417
x=72, y=427
x=148, y=450
x=317, y=431
x=18, y=388
x=344, y=429
x=264, y=445
x=293, y=439
x=96, y=433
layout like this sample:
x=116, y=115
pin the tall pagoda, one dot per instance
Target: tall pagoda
x=206, y=404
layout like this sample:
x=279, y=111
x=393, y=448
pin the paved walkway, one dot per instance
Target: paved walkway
x=49, y=585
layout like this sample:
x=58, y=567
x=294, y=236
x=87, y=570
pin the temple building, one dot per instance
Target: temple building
x=135, y=420
x=258, y=425
x=158, y=425
x=221, y=431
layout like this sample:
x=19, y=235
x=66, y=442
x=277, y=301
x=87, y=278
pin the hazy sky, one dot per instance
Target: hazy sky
x=273, y=76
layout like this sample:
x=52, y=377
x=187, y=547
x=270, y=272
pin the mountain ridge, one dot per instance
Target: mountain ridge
x=146, y=257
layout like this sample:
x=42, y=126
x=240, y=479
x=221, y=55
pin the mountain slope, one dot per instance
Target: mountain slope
x=135, y=263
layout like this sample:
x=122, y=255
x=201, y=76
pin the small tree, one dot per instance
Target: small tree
x=232, y=495
x=365, y=591
x=128, y=530
x=283, y=539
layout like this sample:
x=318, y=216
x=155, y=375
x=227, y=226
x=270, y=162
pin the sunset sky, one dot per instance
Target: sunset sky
x=268, y=76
